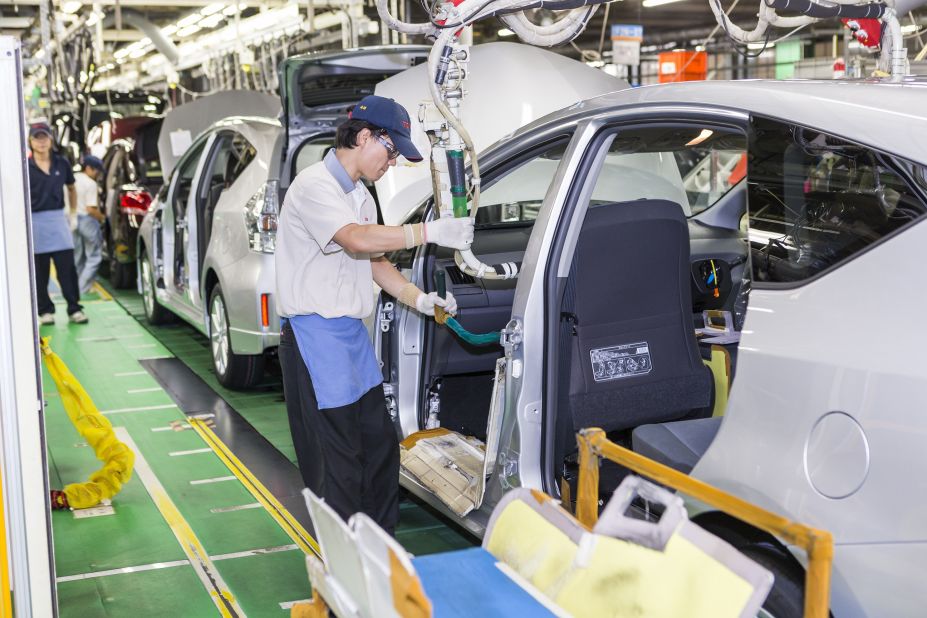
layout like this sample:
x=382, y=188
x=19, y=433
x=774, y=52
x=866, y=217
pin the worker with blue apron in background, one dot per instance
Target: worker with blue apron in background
x=49, y=174
x=330, y=251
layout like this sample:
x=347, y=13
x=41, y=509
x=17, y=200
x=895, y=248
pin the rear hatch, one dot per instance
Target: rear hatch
x=317, y=89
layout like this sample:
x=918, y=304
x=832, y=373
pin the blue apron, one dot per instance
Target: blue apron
x=339, y=356
x=51, y=231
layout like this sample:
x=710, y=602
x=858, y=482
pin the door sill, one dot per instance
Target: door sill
x=475, y=522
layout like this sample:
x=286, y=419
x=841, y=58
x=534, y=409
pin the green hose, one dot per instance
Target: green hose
x=443, y=318
x=472, y=338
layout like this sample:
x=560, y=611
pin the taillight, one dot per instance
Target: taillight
x=135, y=202
x=265, y=310
x=261, y=214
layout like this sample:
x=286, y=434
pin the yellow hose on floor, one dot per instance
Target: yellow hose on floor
x=117, y=458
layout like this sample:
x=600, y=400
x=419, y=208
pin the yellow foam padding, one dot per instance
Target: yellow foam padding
x=720, y=365
x=117, y=458
x=532, y=546
x=625, y=579
x=598, y=576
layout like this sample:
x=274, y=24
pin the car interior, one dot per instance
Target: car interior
x=668, y=268
x=231, y=154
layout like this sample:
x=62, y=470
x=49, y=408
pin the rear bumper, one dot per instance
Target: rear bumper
x=244, y=283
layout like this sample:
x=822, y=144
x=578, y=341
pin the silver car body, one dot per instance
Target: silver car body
x=227, y=259
x=823, y=423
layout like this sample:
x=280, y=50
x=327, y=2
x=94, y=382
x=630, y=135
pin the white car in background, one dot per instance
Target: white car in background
x=206, y=247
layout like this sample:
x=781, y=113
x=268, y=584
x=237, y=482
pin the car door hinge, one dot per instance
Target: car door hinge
x=386, y=317
x=511, y=336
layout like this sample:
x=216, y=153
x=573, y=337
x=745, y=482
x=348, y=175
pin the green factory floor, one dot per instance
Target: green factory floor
x=130, y=563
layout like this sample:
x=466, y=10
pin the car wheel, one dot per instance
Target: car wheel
x=787, y=597
x=121, y=275
x=155, y=313
x=236, y=371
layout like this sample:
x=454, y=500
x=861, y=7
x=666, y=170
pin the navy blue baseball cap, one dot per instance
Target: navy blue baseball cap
x=94, y=162
x=39, y=128
x=391, y=117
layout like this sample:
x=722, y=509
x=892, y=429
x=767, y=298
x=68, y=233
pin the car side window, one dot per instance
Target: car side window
x=515, y=196
x=691, y=165
x=817, y=200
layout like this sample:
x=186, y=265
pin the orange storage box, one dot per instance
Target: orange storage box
x=682, y=66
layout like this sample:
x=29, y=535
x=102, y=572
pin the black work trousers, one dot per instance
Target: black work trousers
x=348, y=455
x=67, y=279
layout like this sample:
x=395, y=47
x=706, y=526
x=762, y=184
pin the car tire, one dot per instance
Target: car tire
x=235, y=371
x=155, y=312
x=121, y=276
x=787, y=597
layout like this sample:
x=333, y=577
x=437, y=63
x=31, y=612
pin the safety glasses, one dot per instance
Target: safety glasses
x=391, y=151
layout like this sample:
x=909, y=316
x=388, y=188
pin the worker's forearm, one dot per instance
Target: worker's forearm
x=371, y=238
x=72, y=198
x=387, y=276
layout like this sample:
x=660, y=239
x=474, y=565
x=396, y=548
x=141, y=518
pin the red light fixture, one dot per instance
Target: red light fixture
x=135, y=202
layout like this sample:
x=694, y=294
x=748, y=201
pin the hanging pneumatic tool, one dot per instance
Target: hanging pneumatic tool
x=451, y=142
x=448, y=66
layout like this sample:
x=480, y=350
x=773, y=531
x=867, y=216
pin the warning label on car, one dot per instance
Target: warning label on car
x=620, y=361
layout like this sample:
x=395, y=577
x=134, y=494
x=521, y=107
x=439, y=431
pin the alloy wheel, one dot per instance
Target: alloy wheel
x=147, y=288
x=219, y=335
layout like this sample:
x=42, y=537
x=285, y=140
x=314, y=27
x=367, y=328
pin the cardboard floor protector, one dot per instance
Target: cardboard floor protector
x=450, y=466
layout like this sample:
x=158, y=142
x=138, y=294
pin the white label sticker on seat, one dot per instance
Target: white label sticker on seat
x=620, y=361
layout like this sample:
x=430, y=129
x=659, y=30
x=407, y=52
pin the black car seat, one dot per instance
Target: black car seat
x=629, y=355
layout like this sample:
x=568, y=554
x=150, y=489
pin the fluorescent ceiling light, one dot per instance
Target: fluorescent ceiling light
x=71, y=7
x=701, y=137
x=138, y=53
x=651, y=3
x=212, y=21
x=231, y=10
x=189, y=30
x=189, y=20
x=505, y=32
x=209, y=9
x=910, y=29
x=122, y=53
x=169, y=30
x=763, y=46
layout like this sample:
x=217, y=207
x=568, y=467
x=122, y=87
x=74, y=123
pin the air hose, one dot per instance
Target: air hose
x=441, y=317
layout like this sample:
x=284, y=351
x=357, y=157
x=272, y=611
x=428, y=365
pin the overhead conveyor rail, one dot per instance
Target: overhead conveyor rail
x=818, y=544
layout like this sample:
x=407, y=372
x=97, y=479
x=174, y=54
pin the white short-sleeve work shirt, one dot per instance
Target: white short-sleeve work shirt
x=315, y=275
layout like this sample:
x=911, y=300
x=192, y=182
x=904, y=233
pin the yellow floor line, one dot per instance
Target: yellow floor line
x=281, y=515
x=196, y=554
x=99, y=289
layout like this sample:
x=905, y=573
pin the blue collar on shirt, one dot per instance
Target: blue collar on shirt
x=334, y=167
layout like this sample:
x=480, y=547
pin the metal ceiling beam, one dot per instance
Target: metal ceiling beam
x=129, y=35
x=15, y=22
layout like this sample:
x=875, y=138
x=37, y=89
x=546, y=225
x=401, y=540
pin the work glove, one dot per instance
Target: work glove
x=454, y=233
x=425, y=303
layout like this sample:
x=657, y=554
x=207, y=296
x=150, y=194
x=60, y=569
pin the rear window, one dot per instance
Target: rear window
x=316, y=90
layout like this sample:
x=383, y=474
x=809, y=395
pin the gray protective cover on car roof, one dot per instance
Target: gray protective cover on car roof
x=199, y=115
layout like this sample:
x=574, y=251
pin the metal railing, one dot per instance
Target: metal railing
x=818, y=544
